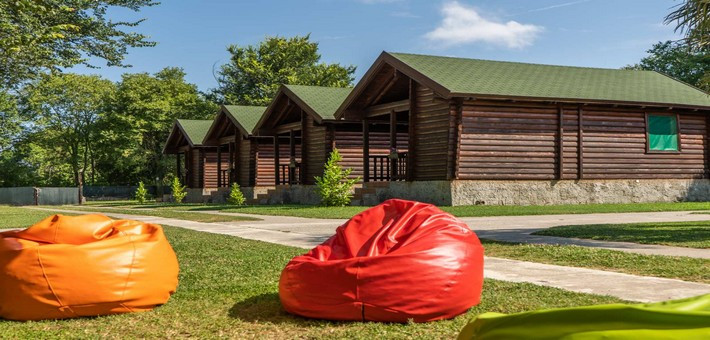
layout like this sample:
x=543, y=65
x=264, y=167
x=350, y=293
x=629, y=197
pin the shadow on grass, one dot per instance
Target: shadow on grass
x=267, y=308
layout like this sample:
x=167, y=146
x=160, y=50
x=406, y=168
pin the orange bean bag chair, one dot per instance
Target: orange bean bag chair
x=67, y=267
x=397, y=261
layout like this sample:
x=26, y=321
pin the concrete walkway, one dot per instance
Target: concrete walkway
x=306, y=234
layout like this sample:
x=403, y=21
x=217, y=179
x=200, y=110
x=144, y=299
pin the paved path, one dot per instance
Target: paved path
x=516, y=229
x=306, y=234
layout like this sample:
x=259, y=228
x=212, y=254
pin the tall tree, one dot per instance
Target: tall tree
x=678, y=61
x=144, y=110
x=255, y=73
x=41, y=35
x=64, y=110
x=692, y=19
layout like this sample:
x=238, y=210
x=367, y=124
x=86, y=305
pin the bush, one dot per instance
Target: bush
x=236, y=197
x=178, y=189
x=334, y=188
x=141, y=193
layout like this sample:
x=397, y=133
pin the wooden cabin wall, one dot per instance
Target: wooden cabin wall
x=210, y=167
x=265, y=160
x=349, y=144
x=316, y=153
x=433, y=129
x=522, y=141
x=194, y=171
x=614, y=147
x=246, y=162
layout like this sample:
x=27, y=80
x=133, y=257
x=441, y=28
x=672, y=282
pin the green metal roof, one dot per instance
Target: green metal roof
x=195, y=129
x=462, y=76
x=324, y=101
x=247, y=116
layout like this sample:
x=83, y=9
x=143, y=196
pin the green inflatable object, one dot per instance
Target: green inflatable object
x=679, y=319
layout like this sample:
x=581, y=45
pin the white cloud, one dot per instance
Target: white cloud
x=464, y=25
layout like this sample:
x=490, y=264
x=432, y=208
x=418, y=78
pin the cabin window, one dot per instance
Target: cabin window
x=662, y=132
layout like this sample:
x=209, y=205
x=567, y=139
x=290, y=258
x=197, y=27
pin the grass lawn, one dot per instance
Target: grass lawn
x=461, y=211
x=680, y=234
x=229, y=288
x=683, y=268
x=164, y=212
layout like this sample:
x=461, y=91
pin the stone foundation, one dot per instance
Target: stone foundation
x=541, y=192
x=578, y=192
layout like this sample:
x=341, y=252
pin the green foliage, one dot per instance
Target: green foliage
x=63, y=111
x=236, y=197
x=678, y=61
x=36, y=36
x=692, y=18
x=178, y=190
x=335, y=188
x=141, y=193
x=145, y=108
x=255, y=73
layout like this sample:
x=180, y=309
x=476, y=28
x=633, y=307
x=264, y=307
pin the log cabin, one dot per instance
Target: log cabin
x=301, y=120
x=250, y=158
x=196, y=164
x=491, y=132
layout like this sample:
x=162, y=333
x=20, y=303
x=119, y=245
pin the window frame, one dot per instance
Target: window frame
x=677, y=127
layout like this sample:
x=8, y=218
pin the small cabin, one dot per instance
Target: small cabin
x=303, y=118
x=492, y=132
x=196, y=163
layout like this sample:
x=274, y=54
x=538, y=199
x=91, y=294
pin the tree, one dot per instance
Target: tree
x=63, y=111
x=41, y=35
x=255, y=73
x=141, y=193
x=144, y=110
x=678, y=61
x=334, y=187
x=178, y=190
x=236, y=197
x=692, y=18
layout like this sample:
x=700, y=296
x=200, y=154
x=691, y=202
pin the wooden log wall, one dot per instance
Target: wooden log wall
x=349, y=143
x=210, y=167
x=432, y=137
x=246, y=162
x=522, y=141
x=317, y=146
x=265, y=160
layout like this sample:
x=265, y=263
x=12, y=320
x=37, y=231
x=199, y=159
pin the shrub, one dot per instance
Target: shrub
x=334, y=187
x=141, y=193
x=178, y=189
x=236, y=197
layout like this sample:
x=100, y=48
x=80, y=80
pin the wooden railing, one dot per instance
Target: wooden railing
x=288, y=174
x=224, y=177
x=384, y=168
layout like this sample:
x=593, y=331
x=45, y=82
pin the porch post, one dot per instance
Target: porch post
x=393, y=144
x=276, y=159
x=179, y=167
x=230, y=168
x=219, y=166
x=292, y=157
x=366, y=150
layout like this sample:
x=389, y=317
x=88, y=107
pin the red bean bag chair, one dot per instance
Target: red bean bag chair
x=66, y=267
x=397, y=261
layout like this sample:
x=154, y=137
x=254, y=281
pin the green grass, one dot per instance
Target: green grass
x=163, y=212
x=682, y=268
x=229, y=288
x=460, y=211
x=14, y=217
x=679, y=234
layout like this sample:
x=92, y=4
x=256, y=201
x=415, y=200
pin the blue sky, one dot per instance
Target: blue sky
x=193, y=34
